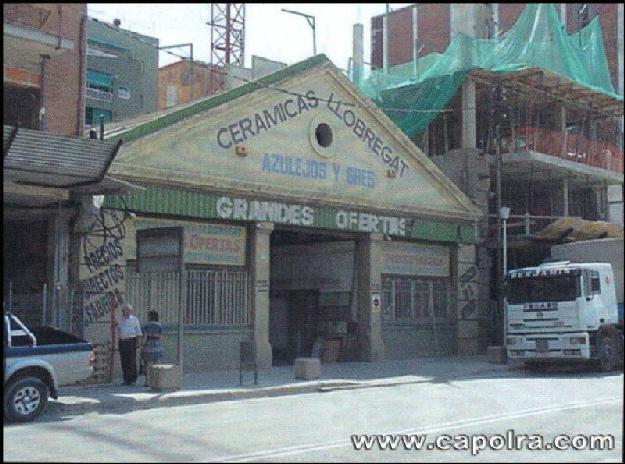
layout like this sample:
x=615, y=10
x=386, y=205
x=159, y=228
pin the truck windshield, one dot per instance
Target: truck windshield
x=543, y=289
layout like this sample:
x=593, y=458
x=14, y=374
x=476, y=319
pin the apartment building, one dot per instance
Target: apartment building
x=122, y=73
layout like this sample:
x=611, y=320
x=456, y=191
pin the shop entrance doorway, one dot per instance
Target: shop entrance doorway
x=312, y=310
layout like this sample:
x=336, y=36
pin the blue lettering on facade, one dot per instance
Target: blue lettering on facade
x=275, y=163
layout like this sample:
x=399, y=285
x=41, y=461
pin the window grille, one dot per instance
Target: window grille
x=411, y=300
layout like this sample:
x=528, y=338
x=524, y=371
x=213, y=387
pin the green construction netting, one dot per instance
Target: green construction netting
x=412, y=94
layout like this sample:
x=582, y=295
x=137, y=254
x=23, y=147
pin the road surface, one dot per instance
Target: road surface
x=318, y=427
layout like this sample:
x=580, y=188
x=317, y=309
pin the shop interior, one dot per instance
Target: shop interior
x=313, y=311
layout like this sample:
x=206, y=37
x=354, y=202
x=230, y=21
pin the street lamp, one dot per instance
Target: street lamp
x=311, y=23
x=504, y=214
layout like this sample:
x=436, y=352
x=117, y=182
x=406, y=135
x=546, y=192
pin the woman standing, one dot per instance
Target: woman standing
x=152, y=351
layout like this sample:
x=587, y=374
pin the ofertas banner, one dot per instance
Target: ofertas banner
x=216, y=244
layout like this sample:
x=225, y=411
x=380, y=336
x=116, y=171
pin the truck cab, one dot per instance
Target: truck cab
x=563, y=310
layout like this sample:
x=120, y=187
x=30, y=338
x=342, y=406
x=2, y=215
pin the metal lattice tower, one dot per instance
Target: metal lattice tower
x=227, y=33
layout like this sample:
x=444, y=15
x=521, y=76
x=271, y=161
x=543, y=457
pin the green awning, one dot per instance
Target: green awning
x=99, y=78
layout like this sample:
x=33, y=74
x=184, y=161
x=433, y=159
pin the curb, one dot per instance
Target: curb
x=125, y=404
x=167, y=399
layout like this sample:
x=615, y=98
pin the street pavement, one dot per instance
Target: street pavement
x=223, y=384
x=317, y=426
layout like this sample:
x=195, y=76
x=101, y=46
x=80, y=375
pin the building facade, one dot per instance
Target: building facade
x=316, y=228
x=44, y=65
x=122, y=73
x=50, y=172
x=430, y=27
x=561, y=143
x=185, y=81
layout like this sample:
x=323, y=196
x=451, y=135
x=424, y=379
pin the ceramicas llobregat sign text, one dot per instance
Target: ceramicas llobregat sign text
x=241, y=209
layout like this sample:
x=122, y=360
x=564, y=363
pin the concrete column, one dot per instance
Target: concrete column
x=619, y=54
x=472, y=319
x=58, y=266
x=565, y=197
x=495, y=20
x=385, y=41
x=358, y=53
x=563, y=131
x=469, y=114
x=369, y=271
x=415, y=39
x=615, y=192
x=259, y=261
x=563, y=14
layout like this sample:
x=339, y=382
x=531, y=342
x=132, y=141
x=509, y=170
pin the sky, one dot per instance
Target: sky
x=269, y=33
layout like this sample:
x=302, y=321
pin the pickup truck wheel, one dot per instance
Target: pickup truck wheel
x=608, y=349
x=25, y=399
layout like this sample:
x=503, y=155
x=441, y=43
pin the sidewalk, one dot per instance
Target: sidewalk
x=223, y=385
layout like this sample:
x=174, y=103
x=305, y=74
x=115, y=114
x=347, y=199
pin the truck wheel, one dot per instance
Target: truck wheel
x=25, y=399
x=608, y=354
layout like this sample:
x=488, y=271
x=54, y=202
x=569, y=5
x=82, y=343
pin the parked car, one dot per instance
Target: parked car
x=36, y=362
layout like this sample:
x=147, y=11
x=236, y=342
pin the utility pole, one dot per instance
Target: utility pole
x=500, y=276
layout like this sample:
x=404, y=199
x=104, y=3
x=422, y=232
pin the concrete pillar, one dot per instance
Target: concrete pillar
x=259, y=261
x=615, y=192
x=565, y=197
x=495, y=20
x=563, y=146
x=385, y=41
x=58, y=267
x=358, y=53
x=469, y=114
x=563, y=14
x=472, y=320
x=619, y=54
x=415, y=39
x=369, y=271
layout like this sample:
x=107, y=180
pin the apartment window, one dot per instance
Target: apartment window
x=99, y=85
x=21, y=107
x=171, y=96
x=93, y=115
x=412, y=300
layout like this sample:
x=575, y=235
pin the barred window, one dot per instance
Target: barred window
x=409, y=300
x=214, y=298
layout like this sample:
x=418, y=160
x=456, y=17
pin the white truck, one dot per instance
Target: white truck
x=563, y=310
x=36, y=362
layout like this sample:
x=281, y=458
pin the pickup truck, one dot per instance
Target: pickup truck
x=36, y=362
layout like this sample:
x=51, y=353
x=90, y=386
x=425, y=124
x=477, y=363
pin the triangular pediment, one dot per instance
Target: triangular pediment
x=309, y=136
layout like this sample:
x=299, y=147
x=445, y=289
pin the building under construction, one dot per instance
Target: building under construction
x=517, y=111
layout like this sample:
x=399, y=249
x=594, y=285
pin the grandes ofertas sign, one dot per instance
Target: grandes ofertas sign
x=416, y=259
x=242, y=209
x=216, y=244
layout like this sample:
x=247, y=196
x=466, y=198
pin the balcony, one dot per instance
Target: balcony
x=578, y=148
x=101, y=95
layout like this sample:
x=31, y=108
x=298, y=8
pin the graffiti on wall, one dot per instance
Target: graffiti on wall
x=102, y=271
x=468, y=292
